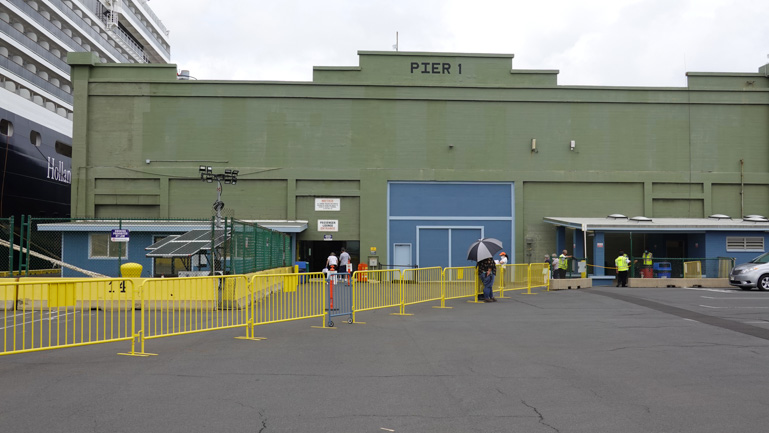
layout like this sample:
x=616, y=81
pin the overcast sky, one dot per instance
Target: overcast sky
x=591, y=42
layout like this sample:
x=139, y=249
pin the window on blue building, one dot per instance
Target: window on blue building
x=101, y=246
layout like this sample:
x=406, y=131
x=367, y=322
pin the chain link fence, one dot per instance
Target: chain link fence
x=164, y=248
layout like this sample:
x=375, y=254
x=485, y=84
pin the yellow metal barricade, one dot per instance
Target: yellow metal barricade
x=513, y=277
x=373, y=290
x=285, y=297
x=175, y=306
x=693, y=269
x=539, y=276
x=459, y=282
x=51, y=314
x=420, y=285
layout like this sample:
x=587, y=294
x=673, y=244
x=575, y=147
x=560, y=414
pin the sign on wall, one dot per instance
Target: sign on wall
x=328, y=225
x=328, y=204
x=119, y=235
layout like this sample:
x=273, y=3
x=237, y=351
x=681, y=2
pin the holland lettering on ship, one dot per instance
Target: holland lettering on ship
x=57, y=172
x=435, y=68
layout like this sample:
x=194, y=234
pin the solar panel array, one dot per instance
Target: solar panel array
x=186, y=245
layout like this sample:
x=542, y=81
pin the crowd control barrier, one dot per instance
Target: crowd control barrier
x=286, y=297
x=419, y=285
x=512, y=277
x=375, y=289
x=42, y=314
x=460, y=282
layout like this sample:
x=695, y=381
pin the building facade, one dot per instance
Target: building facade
x=410, y=156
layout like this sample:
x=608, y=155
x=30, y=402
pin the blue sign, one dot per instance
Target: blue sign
x=327, y=237
x=119, y=235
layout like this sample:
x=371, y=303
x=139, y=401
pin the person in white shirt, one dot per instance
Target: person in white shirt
x=332, y=261
x=502, y=258
x=344, y=260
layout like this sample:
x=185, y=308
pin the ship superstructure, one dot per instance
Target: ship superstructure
x=36, y=92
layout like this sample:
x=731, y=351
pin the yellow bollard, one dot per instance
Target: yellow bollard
x=131, y=270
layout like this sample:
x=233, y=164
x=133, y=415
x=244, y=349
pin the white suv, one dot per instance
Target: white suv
x=755, y=273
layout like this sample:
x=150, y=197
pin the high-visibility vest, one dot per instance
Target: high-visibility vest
x=621, y=263
x=563, y=263
x=647, y=259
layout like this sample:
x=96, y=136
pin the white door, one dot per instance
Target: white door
x=401, y=256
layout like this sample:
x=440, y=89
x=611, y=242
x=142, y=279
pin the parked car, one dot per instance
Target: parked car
x=755, y=273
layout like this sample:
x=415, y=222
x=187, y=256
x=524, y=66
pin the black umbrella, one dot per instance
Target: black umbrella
x=484, y=249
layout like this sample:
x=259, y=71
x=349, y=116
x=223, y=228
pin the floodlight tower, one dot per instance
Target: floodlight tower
x=229, y=177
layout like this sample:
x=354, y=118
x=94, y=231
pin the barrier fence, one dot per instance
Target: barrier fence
x=42, y=315
x=47, y=313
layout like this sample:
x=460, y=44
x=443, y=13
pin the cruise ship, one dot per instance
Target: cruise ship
x=36, y=92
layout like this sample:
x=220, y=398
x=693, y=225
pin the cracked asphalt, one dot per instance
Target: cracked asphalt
x=592, y=360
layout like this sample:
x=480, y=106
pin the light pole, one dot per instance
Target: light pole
x=229, y=177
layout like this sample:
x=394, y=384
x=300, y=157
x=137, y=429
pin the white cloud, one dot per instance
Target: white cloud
x=591, y=42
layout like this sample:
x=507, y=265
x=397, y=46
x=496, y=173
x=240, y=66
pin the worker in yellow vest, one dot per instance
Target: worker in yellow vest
x=563, y=264
x=622, y=262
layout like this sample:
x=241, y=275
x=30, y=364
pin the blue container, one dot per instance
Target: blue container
x=663, y=269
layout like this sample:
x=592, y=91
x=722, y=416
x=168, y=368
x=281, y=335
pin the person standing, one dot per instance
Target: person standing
x=344, y=260
x=621, y=262
x=502, y=258
x=487, y=269
x=563, y=264
x=646, y=264
x=332, y=262
x=554, y=266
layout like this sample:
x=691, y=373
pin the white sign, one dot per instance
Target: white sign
x=328, y=225
x=119, y=235
x=328, y=204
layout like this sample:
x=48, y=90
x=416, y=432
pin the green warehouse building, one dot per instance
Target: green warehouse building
x=411, y=156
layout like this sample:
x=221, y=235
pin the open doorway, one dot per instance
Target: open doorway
x=316, y=252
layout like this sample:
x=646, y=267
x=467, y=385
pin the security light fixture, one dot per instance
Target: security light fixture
x=229, y=177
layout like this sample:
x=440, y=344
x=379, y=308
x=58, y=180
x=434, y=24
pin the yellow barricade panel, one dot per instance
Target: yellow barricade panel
x=42, y=315
x=173, y=306
x=281, y=298
x=459, y=282
x=540, y=274
x=376, y=289
x=421, y=285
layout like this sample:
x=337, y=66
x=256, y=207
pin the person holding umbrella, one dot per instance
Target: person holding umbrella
x=487, y=270
x=482, y=251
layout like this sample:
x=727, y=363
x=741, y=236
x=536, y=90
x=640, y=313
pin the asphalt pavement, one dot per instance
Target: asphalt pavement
x=590, y=360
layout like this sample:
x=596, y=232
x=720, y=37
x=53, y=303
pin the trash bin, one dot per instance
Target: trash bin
x=301, y=268
x=663, y=269
x=647, y=273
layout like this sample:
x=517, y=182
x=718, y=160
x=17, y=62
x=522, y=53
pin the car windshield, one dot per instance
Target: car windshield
x=763, y=258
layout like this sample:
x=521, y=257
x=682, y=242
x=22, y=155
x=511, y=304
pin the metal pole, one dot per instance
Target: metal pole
x=11, y=228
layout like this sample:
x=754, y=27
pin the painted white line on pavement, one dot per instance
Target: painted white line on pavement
x=730, y=298
x=49, y=318
x=734, y=308
x=708, y=290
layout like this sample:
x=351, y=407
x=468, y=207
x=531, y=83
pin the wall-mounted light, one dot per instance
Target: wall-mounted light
x=572, y=145
x=451, y=146
x=534, y=145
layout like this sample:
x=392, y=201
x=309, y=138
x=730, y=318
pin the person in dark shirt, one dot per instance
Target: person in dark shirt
x=487, y=269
